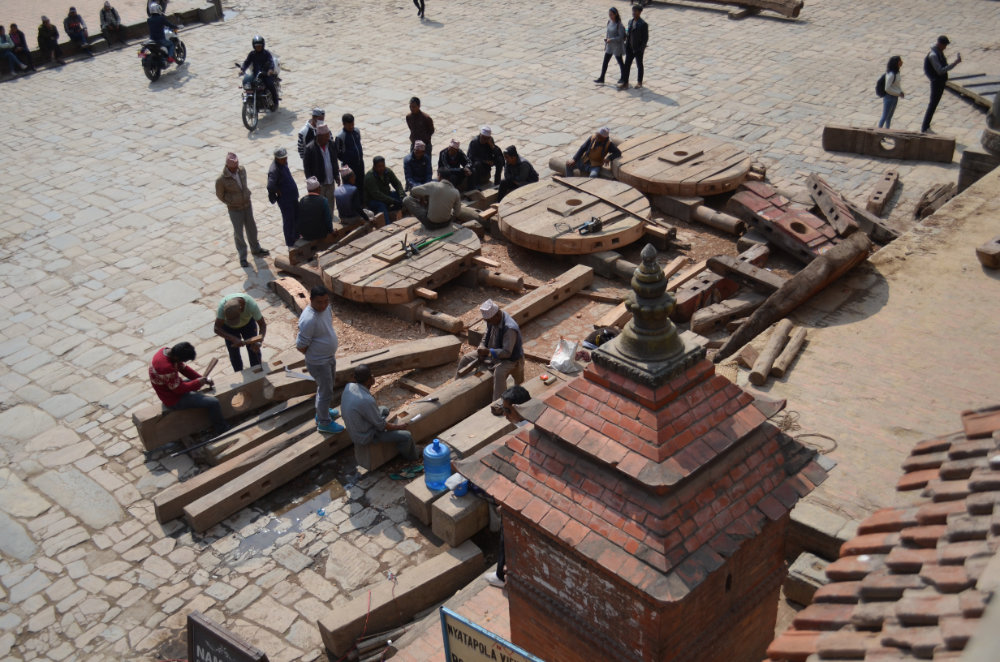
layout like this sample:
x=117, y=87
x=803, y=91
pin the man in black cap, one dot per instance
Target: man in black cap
x=516, y=172
x=936, y=68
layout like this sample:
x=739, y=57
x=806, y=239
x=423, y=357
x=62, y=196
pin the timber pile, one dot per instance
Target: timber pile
x=275, y=446
x=889, y=143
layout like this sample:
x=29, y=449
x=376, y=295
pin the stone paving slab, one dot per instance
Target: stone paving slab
x=112, y=243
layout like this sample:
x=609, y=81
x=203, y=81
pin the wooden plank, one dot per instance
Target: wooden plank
x=832, y=205
x=533, y=304
x=617, y=316
x=446, y=406
x=872, y=225
x=882, y=192
x=302, y=411
x=686, y=275
x=267, y=476
x=745, y=273
x=475, y=431
x=169, y=503
x=889, y=143
x=717, y=315
x=414, y=386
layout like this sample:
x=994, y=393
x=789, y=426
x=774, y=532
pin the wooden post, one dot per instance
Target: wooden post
x=762, y=367
x=788, y=354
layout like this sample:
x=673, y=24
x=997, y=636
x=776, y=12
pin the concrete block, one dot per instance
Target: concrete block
x=816, y=529
x=419, y=499
x=806, y=575
x=456, y=519
x=373, y=456
x=394, y=603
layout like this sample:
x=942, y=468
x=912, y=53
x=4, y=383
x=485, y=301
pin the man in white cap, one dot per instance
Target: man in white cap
x=320, y=161
x=453, y=165
x=231, y=188
x=484, y=155
x=308, y=133
x=501, y=348
x=236, y=321
x=315, y=219
x=417, y=168
x=281, y=189
x=593, y=154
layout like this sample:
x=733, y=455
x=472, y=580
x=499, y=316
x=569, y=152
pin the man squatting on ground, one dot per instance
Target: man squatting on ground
x=501, y=347
x=366, y=421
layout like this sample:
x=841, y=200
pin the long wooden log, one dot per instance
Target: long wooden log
x=267, y=476
x=819, y=273
x=535, y=303
x=718, y=220
x=762, y=366
x=299, y=411
x=784, y=360
x=169, y=503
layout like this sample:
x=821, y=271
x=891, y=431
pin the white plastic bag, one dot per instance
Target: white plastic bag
x=563, y=358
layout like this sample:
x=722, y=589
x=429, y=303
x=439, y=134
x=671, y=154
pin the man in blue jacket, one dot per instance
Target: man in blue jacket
x=261, y=60
x=156, y=24
x=417, y=167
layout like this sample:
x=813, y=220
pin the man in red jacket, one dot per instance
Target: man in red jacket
x=177, y=393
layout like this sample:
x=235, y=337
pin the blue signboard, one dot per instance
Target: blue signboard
x=464, y=641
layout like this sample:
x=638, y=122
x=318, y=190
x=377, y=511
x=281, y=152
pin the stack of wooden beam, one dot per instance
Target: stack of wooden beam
x=272, y=446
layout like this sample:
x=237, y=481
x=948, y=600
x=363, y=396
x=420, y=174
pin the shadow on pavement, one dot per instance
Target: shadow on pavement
x=280, y=122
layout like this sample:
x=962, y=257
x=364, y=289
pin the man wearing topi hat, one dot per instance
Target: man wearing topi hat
x=593, y=154
x=231, y=188
x=236, y=321
x=281, y=189
x=501, y=348
x=315, y=219
x=320, y=161
x=308, y=133
x=484, y=155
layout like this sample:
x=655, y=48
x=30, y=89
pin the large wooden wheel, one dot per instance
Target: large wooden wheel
x=376, y=269
x=681, y=164
x=546, y=216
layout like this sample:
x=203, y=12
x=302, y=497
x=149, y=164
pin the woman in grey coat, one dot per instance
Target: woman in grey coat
x=614, y=44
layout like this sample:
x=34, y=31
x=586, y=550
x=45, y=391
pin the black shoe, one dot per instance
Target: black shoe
x=262, y=252
x=244, y=263
x=599, y=81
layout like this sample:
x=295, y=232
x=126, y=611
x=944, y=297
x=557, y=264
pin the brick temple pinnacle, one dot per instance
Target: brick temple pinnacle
x=646, y=508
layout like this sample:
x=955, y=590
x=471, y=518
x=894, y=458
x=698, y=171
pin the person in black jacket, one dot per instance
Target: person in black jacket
x=320, y=161
x=260, y=60
x=516, y=172
x=48, y=41
x=484, y=155
x=936, y=68
x=453, y=165
x=636, y=37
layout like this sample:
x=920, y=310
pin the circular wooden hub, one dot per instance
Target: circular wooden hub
x=546, y=216
x=375, y=268
x=681, y=164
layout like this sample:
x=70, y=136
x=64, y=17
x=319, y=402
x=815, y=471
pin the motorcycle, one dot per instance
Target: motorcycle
x=256, y=96
x=154, y=55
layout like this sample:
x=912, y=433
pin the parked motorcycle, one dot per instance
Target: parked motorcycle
x=256, y=97
x=154, y=55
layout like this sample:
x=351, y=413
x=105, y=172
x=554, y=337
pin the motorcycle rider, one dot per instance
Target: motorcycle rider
x=156, y=23
x=261, y=60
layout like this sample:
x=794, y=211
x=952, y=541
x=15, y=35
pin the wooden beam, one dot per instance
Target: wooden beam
x=546, y=297
x=832, y=205
x=933, y=199
x=884, y=189
x=617, y=316
x=889, y=143
x=291, y=291
x=745, y=273
x=872, y=225
x=447, y=405
x=169, y=503
x=260, y=480
x=414, y=386
x=716, y=316
x=296, y=411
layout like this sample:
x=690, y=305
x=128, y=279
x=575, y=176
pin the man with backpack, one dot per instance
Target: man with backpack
x=936, y=69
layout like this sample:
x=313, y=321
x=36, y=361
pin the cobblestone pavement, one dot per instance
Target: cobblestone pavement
x=113, y=244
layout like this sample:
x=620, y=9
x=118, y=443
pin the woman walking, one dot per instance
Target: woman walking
x=893, y=91
x=614, y=44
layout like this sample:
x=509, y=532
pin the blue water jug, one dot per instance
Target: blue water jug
x=437, y=465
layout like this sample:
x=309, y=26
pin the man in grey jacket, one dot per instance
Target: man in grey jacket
x=366, y=421
x=231, y=188
x=317, y=340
